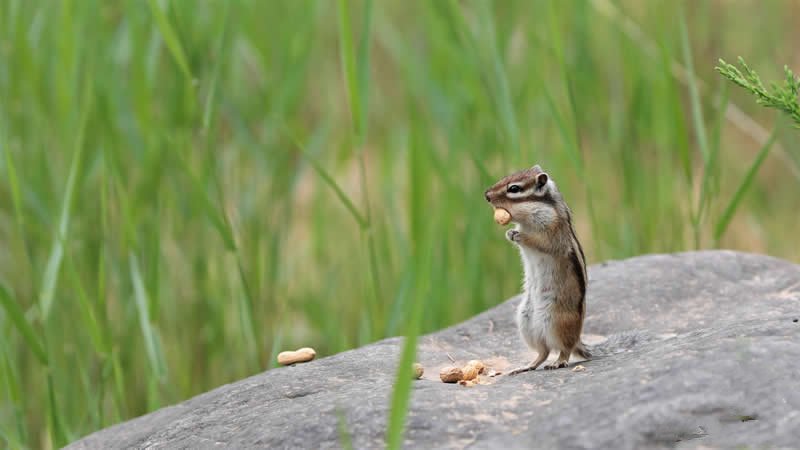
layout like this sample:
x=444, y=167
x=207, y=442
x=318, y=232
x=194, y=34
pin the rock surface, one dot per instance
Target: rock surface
x=715, y=363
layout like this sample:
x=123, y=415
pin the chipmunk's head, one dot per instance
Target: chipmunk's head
x=530, y=197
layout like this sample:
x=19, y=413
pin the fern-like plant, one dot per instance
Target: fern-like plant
x=783, y=97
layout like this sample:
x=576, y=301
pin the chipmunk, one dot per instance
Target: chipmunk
x=550, y=315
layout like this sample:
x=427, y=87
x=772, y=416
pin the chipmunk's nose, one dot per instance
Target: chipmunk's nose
x=486, y=195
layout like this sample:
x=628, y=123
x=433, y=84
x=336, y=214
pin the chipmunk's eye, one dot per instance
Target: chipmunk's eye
x=514, y=189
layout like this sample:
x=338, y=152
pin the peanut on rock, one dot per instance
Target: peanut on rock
x=418, y=370
x=451, y=374
x=298, y=356
x=478, y=364
x=502, y=216
x=472, y=369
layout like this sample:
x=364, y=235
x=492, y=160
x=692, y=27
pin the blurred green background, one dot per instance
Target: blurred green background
x=188, y=187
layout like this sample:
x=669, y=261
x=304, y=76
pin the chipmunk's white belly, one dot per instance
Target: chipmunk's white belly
x=534, y=313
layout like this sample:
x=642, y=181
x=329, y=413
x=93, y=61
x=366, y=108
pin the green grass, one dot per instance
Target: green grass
x=188, y=188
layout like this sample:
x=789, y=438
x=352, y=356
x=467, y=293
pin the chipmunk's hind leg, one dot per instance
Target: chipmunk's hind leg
x=566, y=335
x=544, y=352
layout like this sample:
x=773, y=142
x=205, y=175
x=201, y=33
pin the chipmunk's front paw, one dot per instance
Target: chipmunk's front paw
x=513, y=235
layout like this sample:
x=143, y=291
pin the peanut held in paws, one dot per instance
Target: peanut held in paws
x=502, y=216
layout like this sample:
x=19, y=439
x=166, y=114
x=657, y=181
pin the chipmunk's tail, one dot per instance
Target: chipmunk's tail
x=616, y=343
x=582, y=351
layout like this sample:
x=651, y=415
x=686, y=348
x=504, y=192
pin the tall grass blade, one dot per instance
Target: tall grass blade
x=694, y=93
x=58, y=432
x=171, y=39
x=16, y=198
x=217, y=218
x=401, y=394
x=14, y=393
x=420, y=270
x=697, y=120
x=22, y=325
x=249, y=324
x=50, y=280
x=331, y=182
x=89, y=316
x=152, y=345
x=208, y=107
x=730, y=209
x=362, y=76
x=500, y=90
x=708, y=184
x=13, y=181
x=349, y=70
x=356, y=73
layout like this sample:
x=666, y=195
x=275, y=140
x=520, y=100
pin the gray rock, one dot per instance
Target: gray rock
x=699, y=350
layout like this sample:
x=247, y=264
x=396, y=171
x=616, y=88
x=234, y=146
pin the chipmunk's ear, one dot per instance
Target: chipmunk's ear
x=537, y=169
x=541, y=180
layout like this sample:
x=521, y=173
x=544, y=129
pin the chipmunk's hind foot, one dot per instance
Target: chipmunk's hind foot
x=556, y=365
x=560, y=363
x=543, y=354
